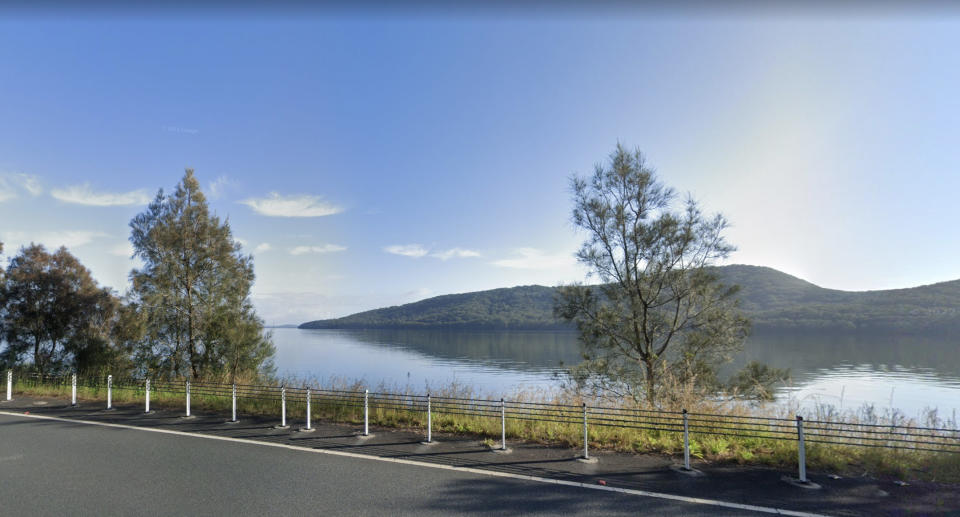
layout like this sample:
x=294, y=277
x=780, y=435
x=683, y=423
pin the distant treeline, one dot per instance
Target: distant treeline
x=773, y=300
x=526, y=307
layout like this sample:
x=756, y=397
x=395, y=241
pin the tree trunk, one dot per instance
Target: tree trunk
x=194, y=360
x=37, y=361
x=651, y=382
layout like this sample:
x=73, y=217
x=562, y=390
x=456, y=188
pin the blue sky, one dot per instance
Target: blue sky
x=369, y=160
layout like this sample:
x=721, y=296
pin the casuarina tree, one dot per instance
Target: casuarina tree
x=193, y=291
x=658, y=312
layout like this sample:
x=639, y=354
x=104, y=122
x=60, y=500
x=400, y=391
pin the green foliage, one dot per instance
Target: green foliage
x=756, y=380
x=657, y=311
x=525, y=307
x=193, y=291
x=772, y=300
x=777, y=301
x=55, y=314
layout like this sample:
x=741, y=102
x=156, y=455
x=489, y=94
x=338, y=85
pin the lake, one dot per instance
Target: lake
x=906, y=373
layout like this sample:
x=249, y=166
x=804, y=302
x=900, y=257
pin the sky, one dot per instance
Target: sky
x=372, y=158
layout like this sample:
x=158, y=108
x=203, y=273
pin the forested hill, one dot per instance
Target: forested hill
x=772, y=299
x=524, y=307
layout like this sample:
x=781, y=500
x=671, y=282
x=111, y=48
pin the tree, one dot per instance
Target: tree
x=193, y=291
x=756, y=380
x=54, y=309
x=658, y=313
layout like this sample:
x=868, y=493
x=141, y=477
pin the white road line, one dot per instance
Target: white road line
x=658, y=495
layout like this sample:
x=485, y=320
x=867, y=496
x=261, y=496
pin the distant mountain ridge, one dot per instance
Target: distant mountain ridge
x=772, y=299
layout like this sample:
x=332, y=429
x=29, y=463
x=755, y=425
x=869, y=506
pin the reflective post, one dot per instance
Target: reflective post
x=147, y=410
x=283, y=406
x=429, y=420
x=234, y=398
x=308, y=409
x=188, y=398
x=109, y=391
x=9, y=384
x=686, y=442
x=503, y=425
x=366, y=412
x=801, y=450
x=73, y=391
x=586, y=447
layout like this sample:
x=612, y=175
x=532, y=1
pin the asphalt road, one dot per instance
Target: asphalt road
x=52, y=467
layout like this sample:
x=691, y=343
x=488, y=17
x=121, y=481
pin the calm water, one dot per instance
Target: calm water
x=909, y=374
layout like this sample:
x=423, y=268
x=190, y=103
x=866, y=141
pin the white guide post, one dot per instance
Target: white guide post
x=366, y=413
x=234, y=397
x=188, y=398
x=283, y=406
x=147, y=409
x=801, y=450
x=429, y=420
x=586, y=447
x=9, y=384
x=686, y=442
x=73, y=392
x=503, y=425
x=308, y=409
x=109, y=391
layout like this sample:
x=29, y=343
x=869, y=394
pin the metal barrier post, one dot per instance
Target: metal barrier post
x=147, y=410
x=188, y=398
x=9, y=384
x=801, y=450
x=686, y=442
x=429, y=420
x=234, y=398
x=308, y=409
x=503, y=425
x=586, y=448
x=283, y=406
x=366, y=413
x=109, y=391
x=73, y=391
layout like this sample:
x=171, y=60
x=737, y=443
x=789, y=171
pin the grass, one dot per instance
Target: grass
x=743, y=445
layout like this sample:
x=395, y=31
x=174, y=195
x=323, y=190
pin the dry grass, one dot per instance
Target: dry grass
x=736, y=447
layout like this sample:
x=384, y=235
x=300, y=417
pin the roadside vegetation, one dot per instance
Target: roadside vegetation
x=730, y=449
x=188, y=312
x=653, y=328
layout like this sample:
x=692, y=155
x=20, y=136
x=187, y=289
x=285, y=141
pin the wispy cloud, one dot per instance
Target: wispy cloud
x=406, y=250
x=7, y=192
x=216, y=187
x=123, y=249
x=51, y=240
x=303, y=205
x=262, y=247
x=532, y=258
x=454, y=253
x=30, y=183
x=84, y=195
x=11, y=184
x=326, y=248
x=417, y=251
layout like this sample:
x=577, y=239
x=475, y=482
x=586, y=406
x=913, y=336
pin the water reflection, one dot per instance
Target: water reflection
x=807, y=353
x=838, y=370
x=492, y=362
x=525, y=350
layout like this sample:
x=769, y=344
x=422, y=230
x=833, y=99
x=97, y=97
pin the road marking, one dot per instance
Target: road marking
x=657, y=495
